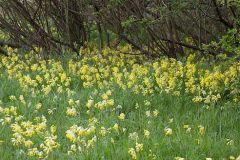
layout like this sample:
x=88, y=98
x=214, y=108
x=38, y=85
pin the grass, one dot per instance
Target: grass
x=218, y=140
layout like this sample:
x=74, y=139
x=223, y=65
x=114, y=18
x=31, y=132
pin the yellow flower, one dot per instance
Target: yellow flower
x=148, y=113
x=70, y=135
x=170, y=120
x=50, y=111
x=155, y=113
x=112, y=141
x=90, y=103
x=238, y=158
x=187, y=127
x=39, y=79
x=12, y=97
x=53, y=129
x=38, y=106
x=168, y=131
x=60, y=89
x=207, y=99
x=229, y=142
x=146, y=133
x=115, y=127
x=63, y=77
x=28, y=143
x=77, y=102
x=147, y=103
x=132, y=153
x=197, y=99
x=139, y=147
x=201, y=129
x=103, y=131
x=133, y=136
x=71, y=111
x=104, y=96
x=198, y=141
x=73, y=148
x=21, y=98
x=121, y=117
x=109, y=92
x=71, y=102
x=47, y=89
x=110, y=102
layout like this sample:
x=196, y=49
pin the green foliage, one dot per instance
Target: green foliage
x=231, y=41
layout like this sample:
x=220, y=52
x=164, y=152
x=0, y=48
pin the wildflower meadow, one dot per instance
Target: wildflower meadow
x=116, y=106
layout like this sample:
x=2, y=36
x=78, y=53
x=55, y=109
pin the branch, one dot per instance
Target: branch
x=135, y=45
x=221, y=19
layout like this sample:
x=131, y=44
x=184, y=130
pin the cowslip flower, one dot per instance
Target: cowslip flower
x=198, y=141
x=139, y=147
x=103, y=131
x=229, y=142
x=70, y=135
x=71, y=111
x=148, y=113
x=90, y=103
x=187, y=127
x=115, y=127
x=38, y=106
x=146, y=133
x=201, y=129
x=133, y=136
x=155, y=113
x=12, y=97
x=238, y=158
x=71, y=102
x=168, y=131
x=147, y=103
x=112, y=141
x=110, y=102
x=121, y=117
x=132, y=153
x=170, y=120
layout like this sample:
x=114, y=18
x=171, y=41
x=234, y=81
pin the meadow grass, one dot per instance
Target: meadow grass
x=167, y=126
